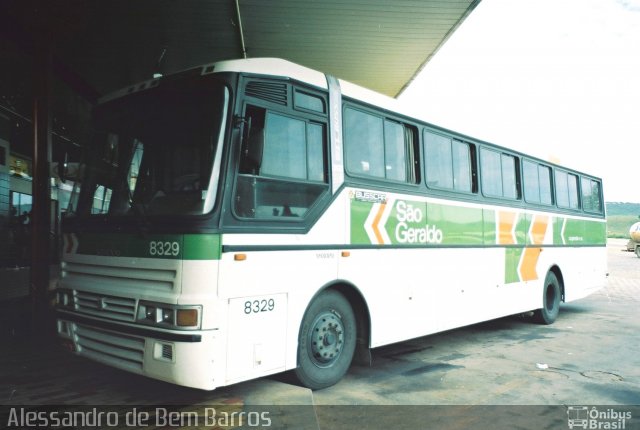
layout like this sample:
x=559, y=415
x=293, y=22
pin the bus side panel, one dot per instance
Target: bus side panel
x=290, y=276
x=429, y=270
x=586, y=266
x=472, y=287
x=591, y=266
x=389, y=281
x=584, y=269
x=266, y=294
x=438, y=289
x=579, y=252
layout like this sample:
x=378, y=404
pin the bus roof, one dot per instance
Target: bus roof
x=287, y=69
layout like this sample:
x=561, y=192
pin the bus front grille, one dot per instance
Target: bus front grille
x=115, y=277
x=124, y=352
x=117, y=308
x=107, y=288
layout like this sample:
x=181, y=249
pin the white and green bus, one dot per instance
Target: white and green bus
x=250, y=217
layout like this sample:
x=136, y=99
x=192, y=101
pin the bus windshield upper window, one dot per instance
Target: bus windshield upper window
x=153, y=153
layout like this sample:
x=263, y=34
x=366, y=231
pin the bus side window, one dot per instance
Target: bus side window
x=450, y=163
x=380, y=148
x=591, y=195
x=566, y=190
x=499, y=173
x=537, y=183
x=282, y=169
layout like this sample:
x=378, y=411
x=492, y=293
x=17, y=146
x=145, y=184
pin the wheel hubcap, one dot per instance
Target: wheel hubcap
x=327, y=339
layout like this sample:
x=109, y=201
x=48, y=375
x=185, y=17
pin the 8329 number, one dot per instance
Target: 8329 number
x=167, y=249
x=257, y=306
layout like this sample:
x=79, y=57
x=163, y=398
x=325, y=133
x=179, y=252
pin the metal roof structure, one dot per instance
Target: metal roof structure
x=378, y=44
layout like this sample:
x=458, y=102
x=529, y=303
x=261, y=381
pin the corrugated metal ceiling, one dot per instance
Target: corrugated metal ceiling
x=379, y=44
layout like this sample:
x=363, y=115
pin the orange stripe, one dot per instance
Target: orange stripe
x=505, y=228
x=529, y=263
x=376, y=220
x=539, y=229
x=531, y=255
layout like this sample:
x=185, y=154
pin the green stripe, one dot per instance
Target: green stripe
x=522, y=228
x=582, y=232
x=164, y=246
x=359, y=213
x=202, y=246
x=460, y=225
x=415, y=222
x=512, y=260
x=342, y=247
x=489, y=226
x=557, y=230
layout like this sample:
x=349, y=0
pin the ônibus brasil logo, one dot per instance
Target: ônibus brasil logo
x=594, y=418
x=394, y=221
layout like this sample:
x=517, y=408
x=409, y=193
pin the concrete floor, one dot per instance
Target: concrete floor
x=533, y=373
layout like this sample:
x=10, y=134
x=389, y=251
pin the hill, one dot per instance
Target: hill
x=620, y=208
x=621, y=216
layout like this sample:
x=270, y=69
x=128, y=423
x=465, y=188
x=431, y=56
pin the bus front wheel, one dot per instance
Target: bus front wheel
x=551, y=296
x=326, y=342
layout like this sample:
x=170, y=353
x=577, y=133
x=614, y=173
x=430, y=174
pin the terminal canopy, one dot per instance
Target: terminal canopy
x=98, y=47
x=106, y=45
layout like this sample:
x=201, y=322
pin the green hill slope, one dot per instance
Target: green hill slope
x=621, y=216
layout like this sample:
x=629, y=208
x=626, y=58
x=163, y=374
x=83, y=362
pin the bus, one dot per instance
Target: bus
x=254, y=216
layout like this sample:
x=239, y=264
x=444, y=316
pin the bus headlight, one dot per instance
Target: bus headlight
x=169, y=316
x=149, y=313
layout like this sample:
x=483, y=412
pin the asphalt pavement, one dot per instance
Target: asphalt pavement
x=493, y=374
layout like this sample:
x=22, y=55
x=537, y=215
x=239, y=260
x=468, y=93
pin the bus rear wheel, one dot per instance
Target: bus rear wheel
x=326, y=342
x=551, y=296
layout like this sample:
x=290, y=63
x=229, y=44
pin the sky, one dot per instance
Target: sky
x=557, y=79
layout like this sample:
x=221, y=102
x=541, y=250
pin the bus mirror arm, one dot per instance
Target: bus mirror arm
x=245, y=123
x=239, y=120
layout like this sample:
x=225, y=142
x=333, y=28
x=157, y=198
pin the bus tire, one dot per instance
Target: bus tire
x=326, y=341
x=551, y=296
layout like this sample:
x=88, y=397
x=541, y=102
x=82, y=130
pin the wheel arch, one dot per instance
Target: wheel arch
x=363, y=317
x=555, y=269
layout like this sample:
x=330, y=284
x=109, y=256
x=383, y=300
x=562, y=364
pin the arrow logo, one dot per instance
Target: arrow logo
x=377, y=219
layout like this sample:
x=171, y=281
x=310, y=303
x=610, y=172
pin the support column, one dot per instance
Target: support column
x=41, y=211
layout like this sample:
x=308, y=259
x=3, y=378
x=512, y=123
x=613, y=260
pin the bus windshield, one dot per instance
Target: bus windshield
x=156, y=152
